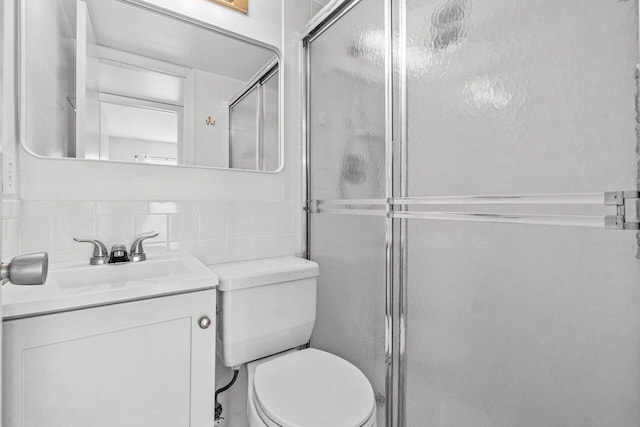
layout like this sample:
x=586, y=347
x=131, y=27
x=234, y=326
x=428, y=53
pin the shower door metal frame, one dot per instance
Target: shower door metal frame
x=621, y=208
x=316, y=27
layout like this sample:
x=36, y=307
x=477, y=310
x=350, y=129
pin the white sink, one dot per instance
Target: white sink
x=73, y=286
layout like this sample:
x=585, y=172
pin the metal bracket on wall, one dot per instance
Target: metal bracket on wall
x=626, y=216
x=311, y=206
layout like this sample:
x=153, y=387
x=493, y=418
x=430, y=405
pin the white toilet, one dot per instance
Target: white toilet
x=267, y=307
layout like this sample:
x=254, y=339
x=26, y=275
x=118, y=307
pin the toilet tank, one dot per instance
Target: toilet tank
x=265, y=306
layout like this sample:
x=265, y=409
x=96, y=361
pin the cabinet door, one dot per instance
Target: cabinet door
x=143, y=363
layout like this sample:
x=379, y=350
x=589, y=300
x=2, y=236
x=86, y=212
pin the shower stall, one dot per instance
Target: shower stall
x=472, y=200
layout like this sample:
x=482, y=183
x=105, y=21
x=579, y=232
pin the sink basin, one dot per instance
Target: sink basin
x=115, y=275
x=74, y=286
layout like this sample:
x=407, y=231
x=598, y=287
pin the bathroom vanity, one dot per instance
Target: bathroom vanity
x=129, y=345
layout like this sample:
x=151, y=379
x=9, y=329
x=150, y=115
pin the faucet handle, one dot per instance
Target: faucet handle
x=137, y=251
x=100, y=252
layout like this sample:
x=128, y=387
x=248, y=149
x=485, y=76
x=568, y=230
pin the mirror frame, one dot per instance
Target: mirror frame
x=21, y=85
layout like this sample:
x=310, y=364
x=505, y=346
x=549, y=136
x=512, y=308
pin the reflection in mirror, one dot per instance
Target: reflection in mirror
x=111, y=80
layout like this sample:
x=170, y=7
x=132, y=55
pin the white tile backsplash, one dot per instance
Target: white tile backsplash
x=35, y=234
x=10, y=238
x=214, y=251
x=10, y=228
x=212, y=226
x=65, y=228
x=121, y=208
x=183, y=227
x=114, y=229
x=59, y=208
x=192, y=246
x=10, y=208
x=238, y=225
x=170, y=207
x=212, y=206
x=262, y=223
x=239, y=248
x=214, y=231
x=147, y=223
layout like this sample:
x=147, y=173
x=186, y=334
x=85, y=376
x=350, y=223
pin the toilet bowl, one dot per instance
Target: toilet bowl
x=267, y=308
x=308, y=388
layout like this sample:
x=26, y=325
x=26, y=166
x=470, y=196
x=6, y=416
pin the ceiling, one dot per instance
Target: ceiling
x=123, y=26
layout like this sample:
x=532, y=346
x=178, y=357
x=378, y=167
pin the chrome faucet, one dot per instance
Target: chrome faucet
x=118, y=254
x=137, y=251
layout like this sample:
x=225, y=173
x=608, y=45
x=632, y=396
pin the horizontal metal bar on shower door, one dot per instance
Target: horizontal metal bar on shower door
x=383, y=203
x=622, y=208
x=365, y=212
x=565, y=220
x=342, y=202
x=366, y=205
x=517, y=199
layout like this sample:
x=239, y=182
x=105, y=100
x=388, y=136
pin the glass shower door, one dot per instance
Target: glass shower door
x=346, y=172
x=520, y=307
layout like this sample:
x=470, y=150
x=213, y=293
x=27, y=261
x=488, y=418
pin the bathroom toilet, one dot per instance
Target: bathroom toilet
x=267, y=308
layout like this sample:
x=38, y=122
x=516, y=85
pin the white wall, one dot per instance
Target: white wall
x=218, y=215
x=2, y=118
x=263, y=23
x=8, y=127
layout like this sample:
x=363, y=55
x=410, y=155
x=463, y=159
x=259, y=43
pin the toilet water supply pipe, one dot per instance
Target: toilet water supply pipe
x=218, y=410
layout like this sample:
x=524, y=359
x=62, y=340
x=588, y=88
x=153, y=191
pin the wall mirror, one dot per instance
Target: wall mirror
x=114, y=80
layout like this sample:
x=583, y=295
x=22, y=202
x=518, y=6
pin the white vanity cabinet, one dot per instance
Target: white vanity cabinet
x=140, y=363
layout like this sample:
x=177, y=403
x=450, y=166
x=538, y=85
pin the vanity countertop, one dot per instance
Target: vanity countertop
x=75, y=286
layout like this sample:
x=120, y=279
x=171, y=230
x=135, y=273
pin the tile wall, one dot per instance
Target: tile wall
x=10, y=228
x=214, y=231
x=295, y=16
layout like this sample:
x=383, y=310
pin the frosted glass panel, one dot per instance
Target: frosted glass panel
x=243, y=143
x=512, y=325
x=521, y=97
x=346, y=117
x=347, y=149
x=351, y=293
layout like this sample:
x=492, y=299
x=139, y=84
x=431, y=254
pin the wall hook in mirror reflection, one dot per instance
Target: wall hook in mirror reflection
x=210, y=121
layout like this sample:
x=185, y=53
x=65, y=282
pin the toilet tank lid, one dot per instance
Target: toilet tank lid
x=246, y=274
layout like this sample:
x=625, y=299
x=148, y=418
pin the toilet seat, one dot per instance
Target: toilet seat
x=312, y=388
